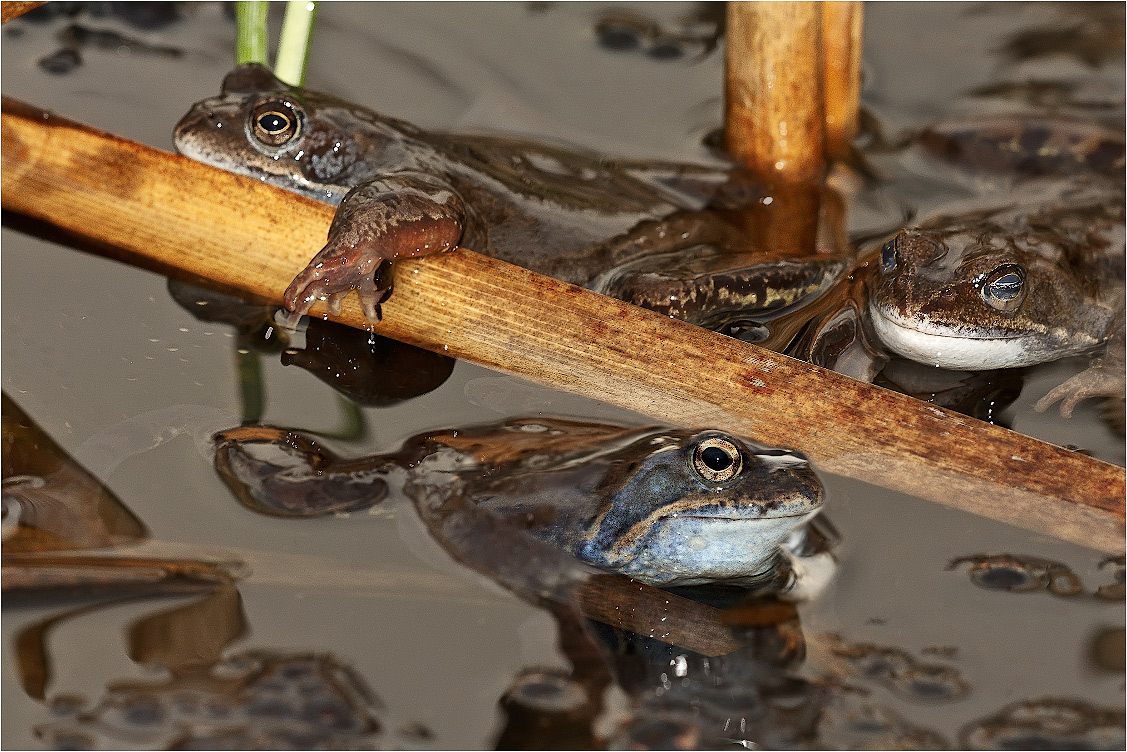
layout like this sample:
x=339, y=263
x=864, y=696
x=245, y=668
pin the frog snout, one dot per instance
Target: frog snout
x=200, y=125
x=803, y=501
x=189, y=126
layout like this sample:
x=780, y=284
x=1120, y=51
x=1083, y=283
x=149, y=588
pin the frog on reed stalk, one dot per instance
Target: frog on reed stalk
x=671, y=237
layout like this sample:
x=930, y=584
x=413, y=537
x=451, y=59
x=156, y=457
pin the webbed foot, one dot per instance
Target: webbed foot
x=286, y=474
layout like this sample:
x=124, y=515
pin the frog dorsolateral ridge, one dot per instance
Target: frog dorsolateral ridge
x=668, y=507
x=668, y=236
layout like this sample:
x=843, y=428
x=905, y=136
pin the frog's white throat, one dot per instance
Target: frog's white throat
x=926, y=342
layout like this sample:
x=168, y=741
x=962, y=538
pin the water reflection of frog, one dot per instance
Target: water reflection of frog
x=1028, y=146
x=405, y=192
x=667, y=507
x=366, y=368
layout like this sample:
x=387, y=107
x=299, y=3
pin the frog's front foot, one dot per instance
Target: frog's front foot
x=1104, y=378
x=1094, y=382
x=400, y=216
x=323, y=279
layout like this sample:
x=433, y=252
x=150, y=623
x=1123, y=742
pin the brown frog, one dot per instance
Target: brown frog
x=1028, y=146
x=672, y=237
x=1031, y=278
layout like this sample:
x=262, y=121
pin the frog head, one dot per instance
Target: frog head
x=295, y=138
x=979, y=295
x=683, y=510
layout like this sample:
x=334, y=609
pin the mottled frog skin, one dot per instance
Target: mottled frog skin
x=1028, y=146
x=403, y=192
x=668, y=507
x=1036, y=276
x=1006, y=288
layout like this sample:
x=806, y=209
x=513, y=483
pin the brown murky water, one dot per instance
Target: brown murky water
x=132, y=386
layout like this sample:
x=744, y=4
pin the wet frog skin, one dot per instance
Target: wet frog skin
x=668, y=507
x=403, y=192
x=1036, y=276
x=1009, y=288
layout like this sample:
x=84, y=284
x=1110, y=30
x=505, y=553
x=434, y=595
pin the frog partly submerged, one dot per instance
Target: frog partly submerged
x=668, y=236
x=1030, y=279
x=665, y=506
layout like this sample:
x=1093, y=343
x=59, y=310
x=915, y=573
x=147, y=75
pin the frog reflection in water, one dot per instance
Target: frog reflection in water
x=636, y=230
x=668, y=507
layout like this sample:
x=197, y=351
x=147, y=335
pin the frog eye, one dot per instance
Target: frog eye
x=1004, y=288
x=274, y=123
x=716, y=459
x=889, y=256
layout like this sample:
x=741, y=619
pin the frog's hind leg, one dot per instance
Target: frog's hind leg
x=287, y=474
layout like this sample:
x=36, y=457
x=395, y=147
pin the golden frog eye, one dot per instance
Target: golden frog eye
x=716, y=459
x=1004, y=288
x=274, y=123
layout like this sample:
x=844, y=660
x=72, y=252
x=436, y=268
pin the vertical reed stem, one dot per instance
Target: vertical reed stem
x=841, y=36
x=774, y=115
x=295, y=41
x=250, y=32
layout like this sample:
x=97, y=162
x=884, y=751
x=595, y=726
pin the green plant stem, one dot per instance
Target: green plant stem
x=250, y=35
x=248, y=371
x=354, y=426
x=296, y=39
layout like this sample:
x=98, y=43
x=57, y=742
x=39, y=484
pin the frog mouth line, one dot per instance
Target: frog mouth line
x=725, y=518
x=956, y=351
x=937, y=330
x=640, y=529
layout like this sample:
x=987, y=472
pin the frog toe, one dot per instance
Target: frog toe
x=292, y=319
x=371, y=296
x=370, y=300
x=332, y=301
x=305, y=290
x=1064, y=392
x=1095, y=382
